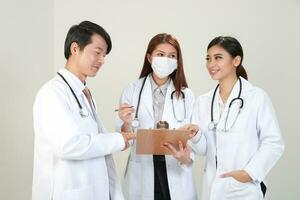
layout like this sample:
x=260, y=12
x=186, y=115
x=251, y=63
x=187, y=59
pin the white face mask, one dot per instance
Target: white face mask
x=163, y=66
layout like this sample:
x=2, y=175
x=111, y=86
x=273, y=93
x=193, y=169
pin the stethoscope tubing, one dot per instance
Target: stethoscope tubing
x=73, y=93
x=172, y=94
x=230, y=104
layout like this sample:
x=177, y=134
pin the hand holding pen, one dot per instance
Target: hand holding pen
x=125, y=111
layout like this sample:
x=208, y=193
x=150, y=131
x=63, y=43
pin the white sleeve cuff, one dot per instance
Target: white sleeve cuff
x=254, y=180
x=197, y=137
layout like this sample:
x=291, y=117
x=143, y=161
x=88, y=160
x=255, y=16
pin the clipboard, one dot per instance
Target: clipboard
x=149, y=141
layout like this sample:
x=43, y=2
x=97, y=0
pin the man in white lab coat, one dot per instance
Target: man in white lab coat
x=72, y=155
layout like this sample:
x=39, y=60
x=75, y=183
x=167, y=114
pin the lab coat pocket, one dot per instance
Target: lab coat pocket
x=235, y=184
x=85, y=193
x=243, y=191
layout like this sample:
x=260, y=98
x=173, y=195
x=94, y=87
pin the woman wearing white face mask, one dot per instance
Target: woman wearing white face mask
x=161, y=94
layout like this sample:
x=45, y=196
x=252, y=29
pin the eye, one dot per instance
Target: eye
x=160, y=54
x=173, y=56
x=218, y=57
x=207, y=59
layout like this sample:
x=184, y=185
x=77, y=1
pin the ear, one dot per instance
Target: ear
x=149, y=58
x=237, y=61
x=74, y=48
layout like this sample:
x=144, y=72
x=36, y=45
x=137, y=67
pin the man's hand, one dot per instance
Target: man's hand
x=127, y=136
x=239, y=175
x=193, y=128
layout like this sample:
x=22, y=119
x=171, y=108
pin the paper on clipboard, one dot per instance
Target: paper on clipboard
x=149, y=141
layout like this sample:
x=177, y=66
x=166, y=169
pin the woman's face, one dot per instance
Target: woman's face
x=163, y=50
x=220, y=64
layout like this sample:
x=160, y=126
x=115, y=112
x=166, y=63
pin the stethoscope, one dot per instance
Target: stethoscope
x=135, y=122
x=213, y=125
x=83, y=112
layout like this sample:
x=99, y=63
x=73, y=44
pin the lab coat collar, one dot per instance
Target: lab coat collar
x=73, y=80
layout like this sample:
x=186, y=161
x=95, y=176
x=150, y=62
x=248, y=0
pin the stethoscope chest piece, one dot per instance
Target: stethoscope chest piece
x=211, y=126
x=135, y=123
x=83, y=113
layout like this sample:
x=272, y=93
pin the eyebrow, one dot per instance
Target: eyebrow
x=218, y=54
x=165, y=52
x=101, y=49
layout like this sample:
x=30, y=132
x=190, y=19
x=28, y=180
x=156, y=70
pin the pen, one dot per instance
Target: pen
x=123, y=107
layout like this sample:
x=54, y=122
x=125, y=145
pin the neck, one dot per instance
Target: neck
x=158, y=81
x=70, y=66
x=226, y=86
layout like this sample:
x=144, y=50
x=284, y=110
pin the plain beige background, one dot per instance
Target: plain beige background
x=32, y=37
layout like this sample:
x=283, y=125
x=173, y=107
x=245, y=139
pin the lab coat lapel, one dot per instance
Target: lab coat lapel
x=87, y=106
x=146, y=98
x=98, y=121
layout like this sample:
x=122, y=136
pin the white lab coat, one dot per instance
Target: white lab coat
x=253, y=144
x=139, y=174
x=72, y=155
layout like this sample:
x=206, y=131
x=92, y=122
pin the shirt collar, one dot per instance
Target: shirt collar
x=73, y=80
x=163, y=88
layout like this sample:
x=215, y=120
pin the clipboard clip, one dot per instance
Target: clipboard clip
x=162, y=124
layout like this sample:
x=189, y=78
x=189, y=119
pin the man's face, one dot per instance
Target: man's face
x=91, y=58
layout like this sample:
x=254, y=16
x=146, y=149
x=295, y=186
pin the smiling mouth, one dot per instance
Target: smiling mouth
x=213, y=72
x=97, y=67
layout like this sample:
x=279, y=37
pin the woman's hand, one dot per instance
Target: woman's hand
x=182, y=155
x=193, y=128
x=125, y=111
x=239, y=175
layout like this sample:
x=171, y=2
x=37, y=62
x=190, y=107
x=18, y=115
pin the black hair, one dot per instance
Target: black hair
x=82, y=33
x=234, y=48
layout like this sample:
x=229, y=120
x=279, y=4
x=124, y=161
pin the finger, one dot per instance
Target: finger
x=180, y=145
x=187, y=150
x=226, y=175
x=167, y=147
x=133, y=136
x=127, y=112
x=170, y=147
x=124, y=105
